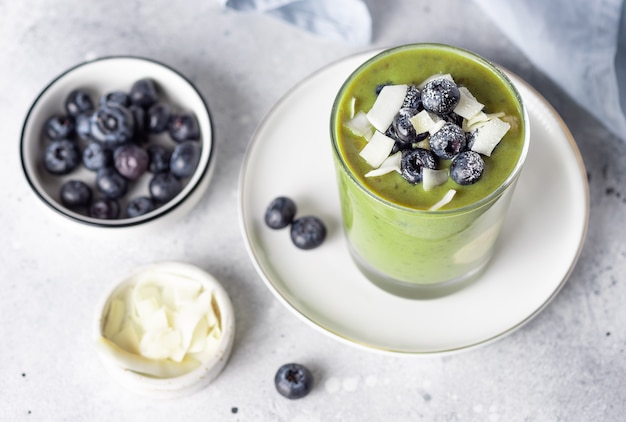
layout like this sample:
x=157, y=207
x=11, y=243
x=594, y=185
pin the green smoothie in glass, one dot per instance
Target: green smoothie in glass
x=415, y=226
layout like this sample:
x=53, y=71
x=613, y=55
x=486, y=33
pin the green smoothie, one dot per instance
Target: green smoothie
x=392, y=235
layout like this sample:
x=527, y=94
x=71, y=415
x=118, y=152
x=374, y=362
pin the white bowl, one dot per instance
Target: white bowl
x=99, y=77
x=189, y=382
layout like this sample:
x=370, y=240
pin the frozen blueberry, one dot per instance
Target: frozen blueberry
x=75, y=193
x=61, y=156
x=293, y=380
x=110, y=183
x=112, y=124
x=280, y=212
x=164, y=186
x=131, y=161
x=96, y=156
x=308, y=232
x=413, y=99
x=413, y=161
x=183, y=127
x=448, y=141
x=185, y=159
x=83, y=125
x=144, y=93
x=59, y=127
x=139, y=206
x=159, y=158
x=158, y=116
x=403, y=129
x=104, y=208
x=467, y=168
x=440, y=96
x=78, y=101
x=117, y=97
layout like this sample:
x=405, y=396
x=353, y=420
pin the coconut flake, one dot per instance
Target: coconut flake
x=489, y=135
x=377, y=149
x=391, y=163
x=433, y=178
x=424, y=121
x=468, y=106
x=443, y=201
x=360, y=125
x=386, y=106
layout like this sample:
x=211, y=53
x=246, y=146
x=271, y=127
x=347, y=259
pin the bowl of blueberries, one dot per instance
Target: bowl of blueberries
x=118, y=142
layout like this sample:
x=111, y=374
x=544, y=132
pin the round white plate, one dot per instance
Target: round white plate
x=290, y=154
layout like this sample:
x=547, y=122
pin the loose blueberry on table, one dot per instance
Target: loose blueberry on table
x=122, y=138
x=293, y=381
x=306, y=232
x=280, y=213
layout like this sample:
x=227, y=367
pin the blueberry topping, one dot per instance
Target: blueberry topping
x=158, y=116
x=112, y=124
x=131, y=161
x=467, y=168
x=75, y=193
x=164, y=186
x=78, y=101
x=144, y=93
x=413, y=161
x=159, y=158
x=308, y=232
x=96, y=156
x=104, y=208
x=139, y=206
x=61, y=156
x=185, y=159
x=183, y=127
x=293, y=380
x=116, y=97
x=110, y=183
x=448, y=141
x=413, y=98
x=440, y=96
x=380, y=87
x=59, y=127
x=403, y=128
x=280, y=212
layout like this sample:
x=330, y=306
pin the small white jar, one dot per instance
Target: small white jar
x=166, y=386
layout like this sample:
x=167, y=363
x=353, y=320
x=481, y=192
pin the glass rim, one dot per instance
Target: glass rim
x=497, y=70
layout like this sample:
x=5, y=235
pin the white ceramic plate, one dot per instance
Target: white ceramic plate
x=290, y=154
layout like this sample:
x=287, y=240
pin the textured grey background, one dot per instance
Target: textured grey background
x=567, y=364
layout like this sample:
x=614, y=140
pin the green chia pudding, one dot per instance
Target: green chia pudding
x=428, y=142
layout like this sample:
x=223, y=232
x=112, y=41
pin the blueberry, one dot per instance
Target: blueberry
x=164, y=186
x=96, y=156
x=61, y=156
x=183, y=127
x=380, y=87
x=158, y=117
x=140, y=124
x=112, y=124
x=280, y=212
x=131, y=161
x=75, y=193
x=110, y=183
x=116, y=97
x=159, y=158
x=104, y=208
x=308, y=232
x=467, y=168
x=413, y=161
x=440, y=96
x=139, y=206
x=144, y=93
x=185, y=159
x=413, y=98
x=78, y=101
x=83, y=125
x=293, y=380
x=448, y=141
x=403, y=129
x=59, y=127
